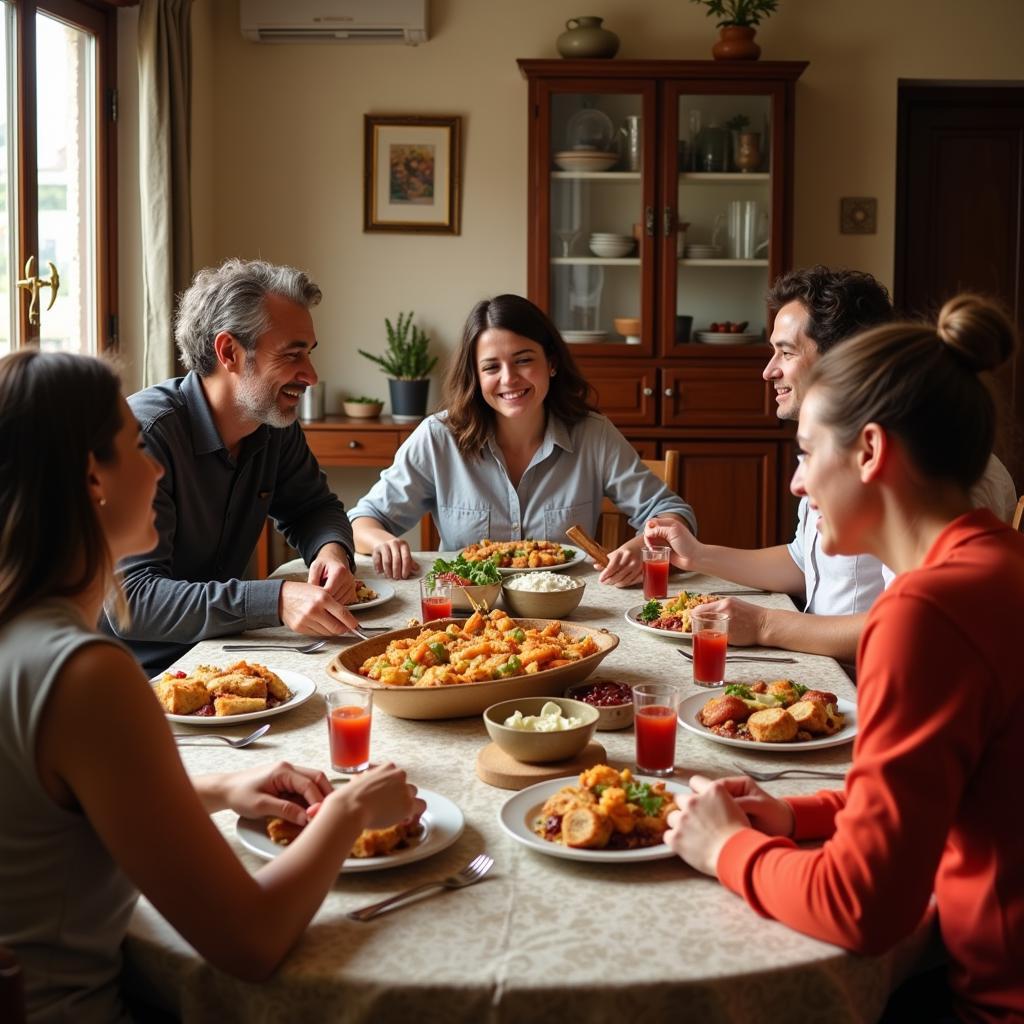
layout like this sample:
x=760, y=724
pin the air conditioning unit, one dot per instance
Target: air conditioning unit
x=334, y=21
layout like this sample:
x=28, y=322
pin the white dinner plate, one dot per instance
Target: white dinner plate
x=384, y=593
x=632, y=617
x=302, y=688
x=518, y=813
x=442, y=824
x=582, y=337
x=727, y=338
x=689, y=707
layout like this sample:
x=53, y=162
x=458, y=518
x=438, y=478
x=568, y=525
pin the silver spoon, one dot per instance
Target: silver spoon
x=743, y=657
x=190, y=737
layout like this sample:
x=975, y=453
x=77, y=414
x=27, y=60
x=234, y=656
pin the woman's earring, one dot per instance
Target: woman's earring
x=102, y=502
x=553, y=372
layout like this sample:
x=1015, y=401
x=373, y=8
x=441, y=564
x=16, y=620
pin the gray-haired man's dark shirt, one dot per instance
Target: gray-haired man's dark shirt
x=210, y=510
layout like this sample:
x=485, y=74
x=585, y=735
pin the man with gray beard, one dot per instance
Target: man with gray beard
x=233, y=453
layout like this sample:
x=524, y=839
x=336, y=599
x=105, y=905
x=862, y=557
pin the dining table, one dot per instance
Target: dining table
x=540, y=938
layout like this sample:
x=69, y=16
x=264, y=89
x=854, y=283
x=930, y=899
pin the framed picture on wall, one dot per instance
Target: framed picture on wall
x=411, y=174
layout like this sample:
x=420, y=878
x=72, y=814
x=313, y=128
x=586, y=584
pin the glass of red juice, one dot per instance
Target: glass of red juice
x=710, y=643
x=655, y=573
x=657, y=706
x=349, y=715
x=435, y=599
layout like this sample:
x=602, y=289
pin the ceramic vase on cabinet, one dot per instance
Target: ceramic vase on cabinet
x=584, y=37
x=736, y=42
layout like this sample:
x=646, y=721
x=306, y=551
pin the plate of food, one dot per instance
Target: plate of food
x=225, y=694
x=575, y=817
x=453, y=668
x=669, y=619
x=515, y=556
x=376, y=849
x=371, y=597
x=780, y=715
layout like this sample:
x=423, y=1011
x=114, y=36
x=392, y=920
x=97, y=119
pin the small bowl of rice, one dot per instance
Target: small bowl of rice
x=542, y=595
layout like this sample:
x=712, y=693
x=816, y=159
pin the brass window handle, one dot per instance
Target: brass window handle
x=32, y=284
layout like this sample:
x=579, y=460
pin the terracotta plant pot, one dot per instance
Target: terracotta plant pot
x=736, y=42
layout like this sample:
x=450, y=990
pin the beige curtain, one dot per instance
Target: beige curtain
x=165, y=58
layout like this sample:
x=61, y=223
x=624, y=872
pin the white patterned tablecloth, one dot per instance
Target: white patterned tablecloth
x=540, y=939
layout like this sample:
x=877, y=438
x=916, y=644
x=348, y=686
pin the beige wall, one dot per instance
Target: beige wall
x=278, y=153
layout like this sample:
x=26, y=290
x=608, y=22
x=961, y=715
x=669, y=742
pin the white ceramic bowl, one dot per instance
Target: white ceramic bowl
x=534, y=604
x=611, y=250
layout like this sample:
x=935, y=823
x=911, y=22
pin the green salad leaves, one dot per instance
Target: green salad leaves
x=650, y=611
x=478, y=573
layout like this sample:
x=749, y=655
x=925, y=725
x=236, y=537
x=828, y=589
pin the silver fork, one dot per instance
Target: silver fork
x=472, y=872
x=316, y=645
x=191, y=737
x=742, y=657
x=807, y=773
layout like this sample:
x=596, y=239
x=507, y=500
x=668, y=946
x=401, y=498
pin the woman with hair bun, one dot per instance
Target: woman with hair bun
x=896, y=427
x=520, y=453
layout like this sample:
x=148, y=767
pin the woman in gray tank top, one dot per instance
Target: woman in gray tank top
x=83, y=742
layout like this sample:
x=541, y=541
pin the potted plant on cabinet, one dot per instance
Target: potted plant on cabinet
x=407, y=364
x=738, y=22
x=362, y=408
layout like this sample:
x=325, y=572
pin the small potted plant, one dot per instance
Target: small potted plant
x=407, y=364
x=738, y=20
x=362, y=408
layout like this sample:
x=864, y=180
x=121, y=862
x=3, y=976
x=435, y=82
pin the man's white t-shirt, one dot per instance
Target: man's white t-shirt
x=848, y=584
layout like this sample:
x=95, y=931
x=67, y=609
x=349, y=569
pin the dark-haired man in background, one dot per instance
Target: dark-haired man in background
x=814, y=309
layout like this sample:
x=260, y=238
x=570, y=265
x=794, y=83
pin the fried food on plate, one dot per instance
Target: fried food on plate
x=209, y=690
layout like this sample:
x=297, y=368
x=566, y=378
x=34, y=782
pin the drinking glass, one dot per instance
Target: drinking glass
x=656, y=566
x=657, y=708
x=710, y=642
x=349, y=715
x=435, y=599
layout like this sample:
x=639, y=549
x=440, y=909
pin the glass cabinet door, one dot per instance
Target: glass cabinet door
x=724, y=247
x=600, y=218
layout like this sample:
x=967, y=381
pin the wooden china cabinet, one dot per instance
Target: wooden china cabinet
x=662, y=191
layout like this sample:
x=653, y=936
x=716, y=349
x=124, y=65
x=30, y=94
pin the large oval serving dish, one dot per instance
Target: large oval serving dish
x=460, y=700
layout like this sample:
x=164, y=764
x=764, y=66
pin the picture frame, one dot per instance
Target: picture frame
x=412, y=174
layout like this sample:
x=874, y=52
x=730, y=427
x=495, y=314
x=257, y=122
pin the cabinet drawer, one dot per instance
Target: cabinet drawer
x=354, y=447
x=733, y=396
x=625, y=392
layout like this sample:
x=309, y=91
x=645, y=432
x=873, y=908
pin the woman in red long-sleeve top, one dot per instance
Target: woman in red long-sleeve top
x=895, y=429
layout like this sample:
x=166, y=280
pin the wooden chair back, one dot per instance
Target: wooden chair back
x=12, y=988
x=613, y=529
x=1018, y=514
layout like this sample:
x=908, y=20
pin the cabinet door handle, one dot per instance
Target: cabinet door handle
x=649, y=221
x=669, y=392
x=648, y=392
x=667, y=222
x=353, y=444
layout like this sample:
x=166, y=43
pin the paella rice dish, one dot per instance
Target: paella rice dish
x=608, y=810
x=484, y=648
x=673, y=614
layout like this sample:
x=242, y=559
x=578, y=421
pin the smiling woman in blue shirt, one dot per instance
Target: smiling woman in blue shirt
x=520, y=452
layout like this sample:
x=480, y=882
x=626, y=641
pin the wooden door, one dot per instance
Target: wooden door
x=960, y=215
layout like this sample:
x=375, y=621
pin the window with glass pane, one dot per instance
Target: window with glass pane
x=596, y=199
x=67, y=190
x=724, y=201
